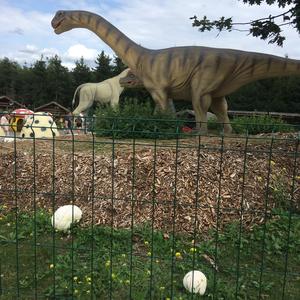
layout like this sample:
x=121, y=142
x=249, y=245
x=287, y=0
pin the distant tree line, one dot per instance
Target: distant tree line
x=48, y=80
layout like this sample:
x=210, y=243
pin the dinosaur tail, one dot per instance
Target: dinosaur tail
x=75, y=93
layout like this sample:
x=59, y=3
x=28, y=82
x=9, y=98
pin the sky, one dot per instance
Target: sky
x=26, y=33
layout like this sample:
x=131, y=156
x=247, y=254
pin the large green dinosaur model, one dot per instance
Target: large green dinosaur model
x=204, y=75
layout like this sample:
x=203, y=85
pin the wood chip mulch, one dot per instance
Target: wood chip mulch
x=183, y=190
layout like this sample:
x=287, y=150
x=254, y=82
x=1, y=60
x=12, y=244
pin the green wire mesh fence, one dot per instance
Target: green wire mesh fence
x=153, y=204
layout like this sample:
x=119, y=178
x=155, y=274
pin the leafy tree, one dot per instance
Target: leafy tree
x=274, y=94
x=81, y=73
x=118, y=66
x=268, y=28
x=103, y=69
x=9, y=71
x=59, y=82
x=36, y=91
x=24, y=92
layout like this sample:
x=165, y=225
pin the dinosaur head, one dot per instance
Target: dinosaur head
x=130, y=81
x=65, y=20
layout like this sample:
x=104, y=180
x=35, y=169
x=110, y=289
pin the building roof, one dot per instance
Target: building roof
x=53, y=108
x=6, y=103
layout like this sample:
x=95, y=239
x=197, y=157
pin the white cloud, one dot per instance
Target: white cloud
x=77, y=51
x=14, y=20
x=49, y=52
x=32, y=49
x=68, y=65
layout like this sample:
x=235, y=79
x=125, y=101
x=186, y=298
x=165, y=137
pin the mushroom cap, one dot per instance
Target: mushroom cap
x=195, y=282
x=64, y=216
x=22, y=112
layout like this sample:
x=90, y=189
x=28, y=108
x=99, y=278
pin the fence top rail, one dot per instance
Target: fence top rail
x=278, y=114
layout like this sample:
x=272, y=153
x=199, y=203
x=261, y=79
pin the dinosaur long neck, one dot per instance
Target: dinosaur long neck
x=125, y=48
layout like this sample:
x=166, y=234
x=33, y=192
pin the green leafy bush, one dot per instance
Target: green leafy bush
x=259, y=124
x=135, y=120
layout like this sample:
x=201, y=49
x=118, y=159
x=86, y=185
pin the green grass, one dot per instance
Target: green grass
x=118, y=263
x=254, y=125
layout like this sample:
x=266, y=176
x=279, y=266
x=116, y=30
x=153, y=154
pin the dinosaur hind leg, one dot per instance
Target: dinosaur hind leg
x=86, y=100
x=220, y=108
x=201, y=105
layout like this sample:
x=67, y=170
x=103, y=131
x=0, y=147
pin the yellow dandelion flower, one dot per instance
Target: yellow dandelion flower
x=193, y=249
x=113, y=276
x=146, y=243
x=107, y=264
x=178, y=255
x=75, y=278
x=149, y=253
x=51, y=266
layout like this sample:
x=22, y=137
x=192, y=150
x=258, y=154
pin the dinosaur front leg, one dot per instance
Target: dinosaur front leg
x=161, y=99
x=170, y=108
x=220, y=108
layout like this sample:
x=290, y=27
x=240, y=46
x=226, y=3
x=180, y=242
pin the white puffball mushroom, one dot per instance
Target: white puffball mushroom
x=195, y=282
x=64, y=216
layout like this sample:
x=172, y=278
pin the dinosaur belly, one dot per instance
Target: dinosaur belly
x=182, y=94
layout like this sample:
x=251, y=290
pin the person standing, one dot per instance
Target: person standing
x=78, y=122
x=68, y=123
x=4, y=122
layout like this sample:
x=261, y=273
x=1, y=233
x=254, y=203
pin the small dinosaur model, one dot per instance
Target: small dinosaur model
x=204, y=75
x=107, y=91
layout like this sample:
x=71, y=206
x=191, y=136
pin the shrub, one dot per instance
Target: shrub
x=135, y=120
x=259, y=124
